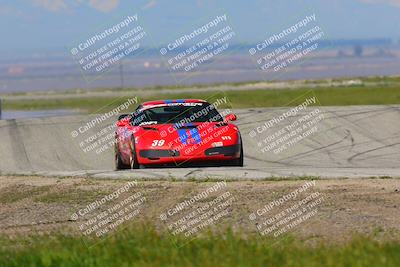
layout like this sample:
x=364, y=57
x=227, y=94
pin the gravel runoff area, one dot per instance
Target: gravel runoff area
x=346, y=206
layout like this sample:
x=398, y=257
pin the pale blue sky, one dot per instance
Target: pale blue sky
x=40, y=25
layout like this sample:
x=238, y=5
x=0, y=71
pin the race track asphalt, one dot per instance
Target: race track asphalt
x=350, y=141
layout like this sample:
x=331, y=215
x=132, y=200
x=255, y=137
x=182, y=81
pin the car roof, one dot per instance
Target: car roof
x=172, y=101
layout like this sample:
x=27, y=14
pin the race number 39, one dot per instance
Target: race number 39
x=158, y=142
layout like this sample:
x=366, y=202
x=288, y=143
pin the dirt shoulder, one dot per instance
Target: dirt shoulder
x=340, y=207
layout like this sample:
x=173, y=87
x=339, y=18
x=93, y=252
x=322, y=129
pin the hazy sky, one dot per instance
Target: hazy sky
x=40, y=25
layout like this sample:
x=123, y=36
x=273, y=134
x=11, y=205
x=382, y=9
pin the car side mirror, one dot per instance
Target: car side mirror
x=230, y=117
x=122, y=123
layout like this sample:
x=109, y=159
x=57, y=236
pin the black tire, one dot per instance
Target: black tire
x=134, y=164
x=239, y=161
x=119, y=165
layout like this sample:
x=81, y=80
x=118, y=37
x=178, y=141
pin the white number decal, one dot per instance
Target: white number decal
x=158, y=142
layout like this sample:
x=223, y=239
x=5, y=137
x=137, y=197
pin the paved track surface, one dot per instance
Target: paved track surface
x=352, y=141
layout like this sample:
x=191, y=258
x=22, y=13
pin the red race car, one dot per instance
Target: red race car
x=175, y=132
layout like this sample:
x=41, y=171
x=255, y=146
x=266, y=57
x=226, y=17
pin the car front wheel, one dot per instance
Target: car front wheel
x=119, y=165
x=133, y=158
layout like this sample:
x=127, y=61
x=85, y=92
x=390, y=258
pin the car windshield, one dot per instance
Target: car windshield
x=177, y=113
